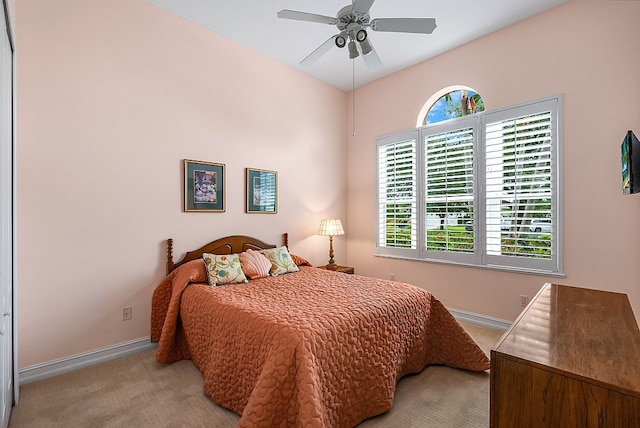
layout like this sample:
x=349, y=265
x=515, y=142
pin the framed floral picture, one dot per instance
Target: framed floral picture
x=204, y=184
x=261, y=191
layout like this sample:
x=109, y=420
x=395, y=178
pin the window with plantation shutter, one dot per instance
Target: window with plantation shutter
x=398, y=195
x=488, y=187
x=449, y=189
x=520, y=163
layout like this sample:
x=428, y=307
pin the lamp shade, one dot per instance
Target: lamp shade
x=330, y=227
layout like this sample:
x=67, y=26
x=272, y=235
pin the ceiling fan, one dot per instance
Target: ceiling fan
x=352, y=22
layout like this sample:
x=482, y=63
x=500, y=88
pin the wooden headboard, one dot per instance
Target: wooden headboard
x=227, y=245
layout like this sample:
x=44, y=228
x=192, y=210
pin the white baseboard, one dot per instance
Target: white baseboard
x=49, y=369
x=481, y=320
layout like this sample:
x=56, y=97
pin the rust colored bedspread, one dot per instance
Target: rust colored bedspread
x=313, y=348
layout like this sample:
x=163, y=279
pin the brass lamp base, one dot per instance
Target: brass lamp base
x=332, y=263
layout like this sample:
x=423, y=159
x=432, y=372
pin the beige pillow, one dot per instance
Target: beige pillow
x=281, y=261
x=254, y=264
x=223, y=269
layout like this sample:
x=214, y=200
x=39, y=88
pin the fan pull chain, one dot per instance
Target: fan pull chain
x=353, y=93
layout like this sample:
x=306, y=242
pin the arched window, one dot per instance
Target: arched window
x=449, y=103
x=480, y=190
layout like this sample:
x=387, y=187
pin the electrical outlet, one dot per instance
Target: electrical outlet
x=392, y=276
x=126, y=313
x=524, y=300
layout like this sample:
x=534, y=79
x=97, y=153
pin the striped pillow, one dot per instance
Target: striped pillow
x=254, y=264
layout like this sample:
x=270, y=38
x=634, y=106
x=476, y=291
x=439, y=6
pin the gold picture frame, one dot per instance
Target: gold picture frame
x=204, y=186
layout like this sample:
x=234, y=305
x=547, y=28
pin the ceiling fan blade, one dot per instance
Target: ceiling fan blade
x=404, y=25
x=372, y=60
x=361, y=7
x=320, y=51
x=304, y=16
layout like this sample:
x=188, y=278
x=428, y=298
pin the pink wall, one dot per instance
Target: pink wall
x=111, y=97
x=586, y=51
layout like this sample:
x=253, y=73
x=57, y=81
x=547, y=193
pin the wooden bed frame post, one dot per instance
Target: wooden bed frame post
x=169, y=255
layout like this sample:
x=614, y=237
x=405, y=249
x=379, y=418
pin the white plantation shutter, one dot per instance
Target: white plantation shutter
x=450, y=189
x=489, y=190
x=398, y=195
x=521, y=219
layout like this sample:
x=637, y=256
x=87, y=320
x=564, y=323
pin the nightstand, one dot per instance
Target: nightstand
x=343, y=269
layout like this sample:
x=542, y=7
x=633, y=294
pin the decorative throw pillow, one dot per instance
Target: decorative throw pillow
x=254, y=264
x=223, y=269
x=281, y=261
x=300, y=261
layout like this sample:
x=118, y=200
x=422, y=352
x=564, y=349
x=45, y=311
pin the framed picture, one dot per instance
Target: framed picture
x=204, y=184
x=261, y=191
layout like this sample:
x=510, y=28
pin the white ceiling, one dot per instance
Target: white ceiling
x=253, y=23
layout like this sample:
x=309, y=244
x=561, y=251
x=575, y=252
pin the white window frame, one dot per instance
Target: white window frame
x=464, y=122
x=479, y=257
x=414, y=251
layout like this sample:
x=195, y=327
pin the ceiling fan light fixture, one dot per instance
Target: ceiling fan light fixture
x=361, y=35
x=354, y=23
x=353, y=50
x=365, y=47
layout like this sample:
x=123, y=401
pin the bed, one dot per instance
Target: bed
x=312, y=348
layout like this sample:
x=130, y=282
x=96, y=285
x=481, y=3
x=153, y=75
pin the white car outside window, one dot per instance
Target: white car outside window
x=540, y=225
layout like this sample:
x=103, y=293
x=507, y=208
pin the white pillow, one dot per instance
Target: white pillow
x=224, y=269
x=281, y=261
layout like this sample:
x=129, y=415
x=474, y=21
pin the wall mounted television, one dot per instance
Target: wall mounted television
x=630, y=156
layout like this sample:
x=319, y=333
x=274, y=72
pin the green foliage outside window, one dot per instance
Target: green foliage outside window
x=454, y=104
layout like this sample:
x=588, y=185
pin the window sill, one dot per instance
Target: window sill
x=510, y=269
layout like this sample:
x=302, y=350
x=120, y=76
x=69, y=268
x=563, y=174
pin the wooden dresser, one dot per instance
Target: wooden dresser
x=571, y=359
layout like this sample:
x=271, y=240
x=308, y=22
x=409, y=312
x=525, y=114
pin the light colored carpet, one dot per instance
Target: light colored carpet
x=135, y=391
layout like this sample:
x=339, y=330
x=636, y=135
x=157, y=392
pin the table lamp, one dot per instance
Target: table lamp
x=330, y=227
